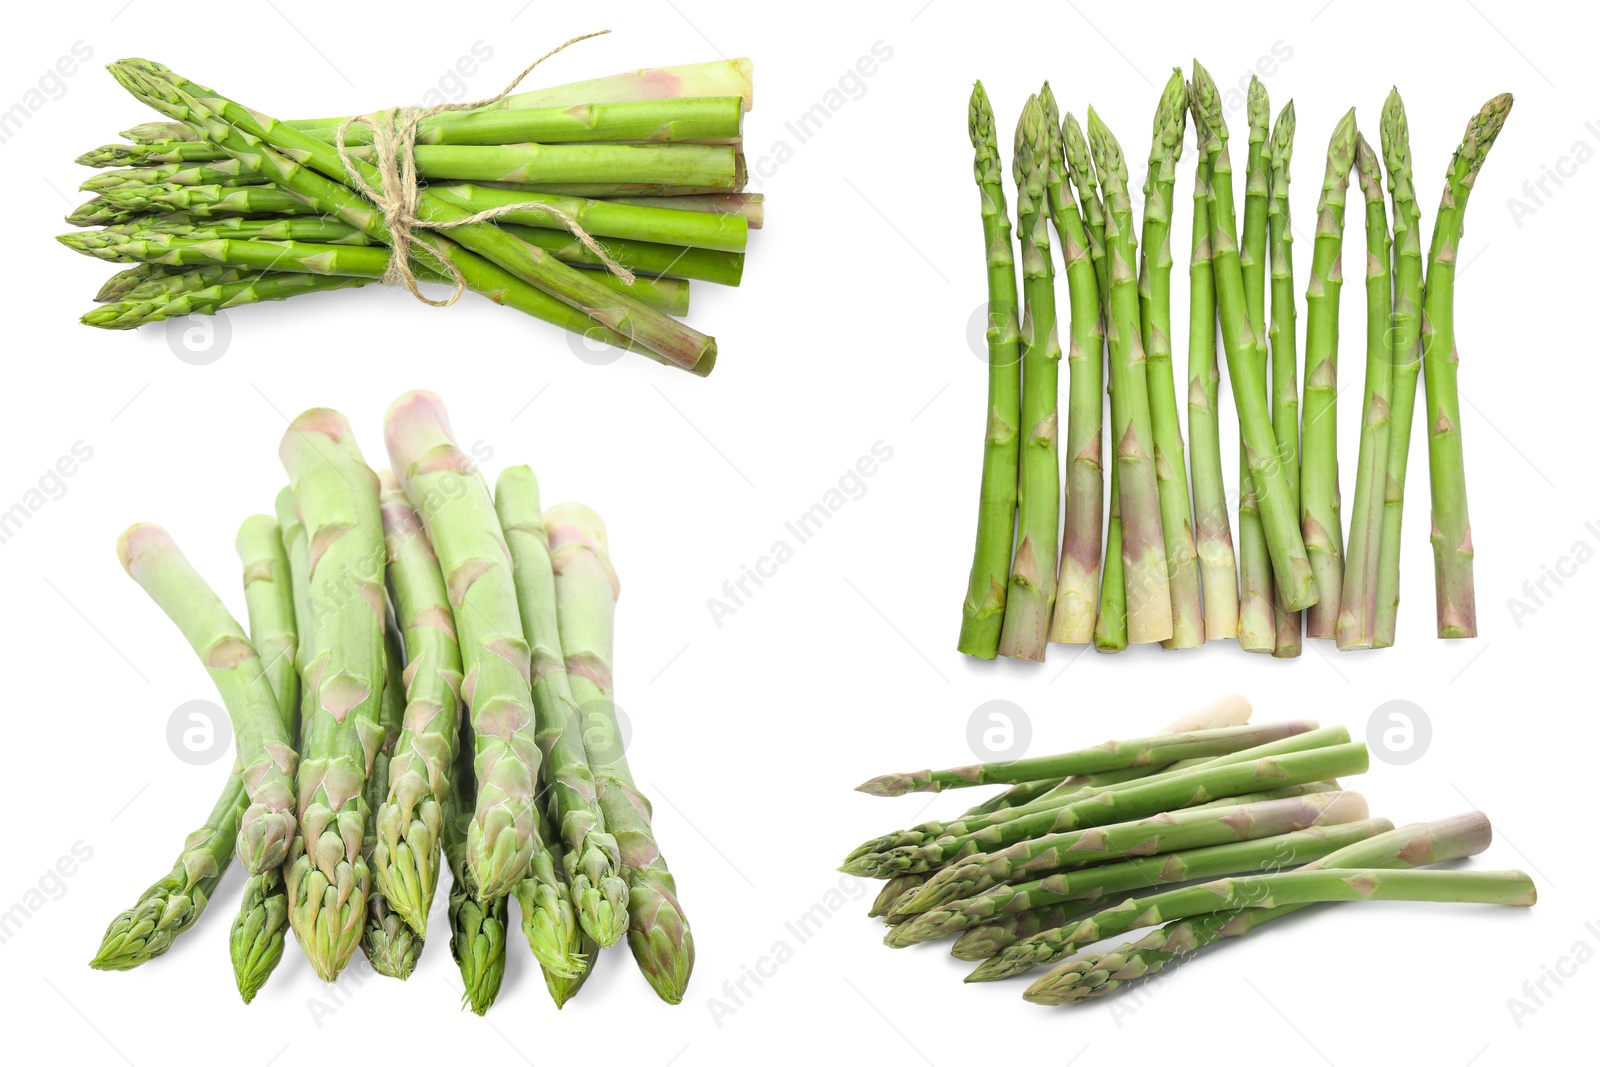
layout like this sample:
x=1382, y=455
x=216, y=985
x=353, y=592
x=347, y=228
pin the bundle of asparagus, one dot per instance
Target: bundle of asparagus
x=1208, y=830
x=379, y=604
x=1166, y=569
x=590, y=205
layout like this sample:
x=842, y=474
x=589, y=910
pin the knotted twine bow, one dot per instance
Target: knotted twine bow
x=394, y=142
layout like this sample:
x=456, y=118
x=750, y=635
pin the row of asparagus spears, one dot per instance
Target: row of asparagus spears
x=220, y=205
x=1205, y=831
x=379, y=604
x=1160, y=564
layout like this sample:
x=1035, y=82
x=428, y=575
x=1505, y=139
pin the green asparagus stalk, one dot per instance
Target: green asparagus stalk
x=477, y=923
x=723, y=77
x=602, y=218
x=1110, y=756
x=1291, y=569
x=222, y=172
x=391, y=945
x=173, y=903
x=642, y=257
x=586, y=591
x=314, y=228
x=1031, y=596
x=1096, y=974
x=1137, y=801
x=1196, y=827
x=336, y=497
x=1155, y=329
x=991, y=938
x=1281, y=335
x=255, y=942
x=131, y=314
x=134, y=278
x=1095, y=883
x=710, y=167
x=1111, y=618
x=894, y=890
x=683, y=120
x=245, y=132
x=410, y=819
x=1257, y=628
x=208, y=200
x=598, y=890
x=266, y=752
x=1319, y=459
x=983, y=610
x=162, y=282
x=153, y=154
x=1219, y=577
x=564, y=952
x=1144, y=566
x=367, y=262
x=1406, y=348
x=1358, y=603
x=1078, y=580
x=752, y=206
x=1263, y=891
x=451, y=498
x=1452, y=530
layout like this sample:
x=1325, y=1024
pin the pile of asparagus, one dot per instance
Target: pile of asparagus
x=221, y=205
x=378, y=604
x=1206, y=830
x=1166, y=569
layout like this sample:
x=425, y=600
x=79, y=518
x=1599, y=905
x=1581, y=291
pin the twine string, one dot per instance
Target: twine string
x=394, y=142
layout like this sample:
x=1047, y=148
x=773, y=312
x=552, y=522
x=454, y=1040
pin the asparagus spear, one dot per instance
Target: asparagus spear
x=314, y=228
x=368, y=262
x=991, y=938
x=255, y=942
x=243, y=132
x=1257, y=630
x=710, y=167
x=586, y=591
x=1285, y=392
x=1078, y=582
x=684, y=120
x=477, y=923
x=1096, y=974
x=1144, y=567
x=1111, y=618
x=1452, y=531
x=1405, y=337
x=752, y=206
x=1219, y=578
x=1319, y=460
x=598, y=890
x=1358, y=610
x=1094, y=883
x=642, y=257
x=390, y=943
x=603, y=218
x=1032, y=591
x=131, y=314
x=564, y=952
x=902, y=887
x=1280, y=889
x=207, y=200
x=1137, y=801
x=983, y=610
x=1235, y=820
x=410, y=818
x=1110, y=756
x=221, y=172
x=266, y=753
x=336, y=497
x=132, y=280
x=453, y=502
x=173, y=903
x=1291, y=569
x=1155, y=329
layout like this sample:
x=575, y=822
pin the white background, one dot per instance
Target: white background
x=851, y=329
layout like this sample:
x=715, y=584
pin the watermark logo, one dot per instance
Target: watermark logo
x=48, y=487
x=999, y=730
x=1399, y=732
x=50, y=85
x=199, y=340
x=848, y=487
x=198, y=732
x=49, y=886
x=851, y=85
